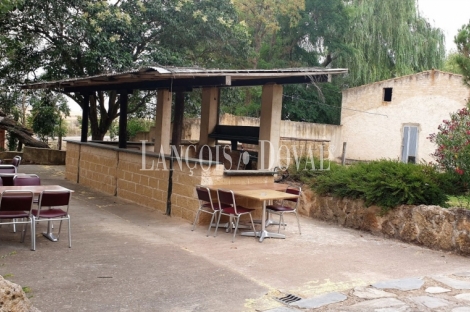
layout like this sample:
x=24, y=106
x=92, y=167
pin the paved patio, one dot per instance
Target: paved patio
x=125, y=257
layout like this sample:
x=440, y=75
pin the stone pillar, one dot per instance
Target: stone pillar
x=270, y=126
x=209, y=115
x=163, y=121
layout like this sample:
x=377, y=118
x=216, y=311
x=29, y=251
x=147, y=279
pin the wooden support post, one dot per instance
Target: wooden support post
x=85, y=116
x=123, y=100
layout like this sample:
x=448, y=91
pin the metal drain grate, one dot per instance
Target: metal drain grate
x=289, y=298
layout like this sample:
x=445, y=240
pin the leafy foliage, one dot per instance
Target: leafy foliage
x=463, y=47
x=453, y=146
x=64, y=39
x=384, y=183
x=389, y=39
x=46, y=115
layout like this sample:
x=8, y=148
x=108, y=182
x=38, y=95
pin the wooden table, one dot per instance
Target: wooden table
x=262, y=192
x=37, y=189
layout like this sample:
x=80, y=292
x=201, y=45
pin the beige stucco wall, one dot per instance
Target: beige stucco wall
x=373, y=129
x=302, y=134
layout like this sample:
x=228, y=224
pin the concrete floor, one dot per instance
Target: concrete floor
x=125, y=257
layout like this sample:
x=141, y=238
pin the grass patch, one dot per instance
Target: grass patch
x=462, y=201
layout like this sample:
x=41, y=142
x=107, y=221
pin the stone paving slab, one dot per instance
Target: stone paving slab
x=400, y=284
x=319, y=301
x=436, y=290
x=431, y=302
x=452, y=282
x=371, y=293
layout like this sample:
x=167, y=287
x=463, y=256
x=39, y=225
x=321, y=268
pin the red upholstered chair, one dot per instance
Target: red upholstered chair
x=16, y=161
x=26, y=179
x=230, y=208
x=7, y=169
x=284, y=206
x=17, y=207
x=54, y=206
x=206, y=205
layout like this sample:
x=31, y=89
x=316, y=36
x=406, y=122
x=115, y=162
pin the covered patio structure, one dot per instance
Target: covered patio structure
x=151, y=176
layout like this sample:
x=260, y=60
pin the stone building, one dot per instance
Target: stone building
x=392, y=119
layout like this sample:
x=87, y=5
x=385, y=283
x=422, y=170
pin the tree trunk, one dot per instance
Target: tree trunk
x=24, y=135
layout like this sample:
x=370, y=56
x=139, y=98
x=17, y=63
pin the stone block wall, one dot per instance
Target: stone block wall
x=43, y=156
x=98, y=168
x=431, y=226
x=122, y=173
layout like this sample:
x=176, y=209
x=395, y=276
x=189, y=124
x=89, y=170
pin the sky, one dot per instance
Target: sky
x=449, y=15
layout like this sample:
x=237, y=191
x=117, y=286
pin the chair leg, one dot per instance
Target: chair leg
x=210, y=224
x=217, y=226
x=195, y=220
x=253, y=225
x=281, y=220
x=70, y=233
x=14, y=225
x=236, y=228
x=298, y=221
x=33, y=233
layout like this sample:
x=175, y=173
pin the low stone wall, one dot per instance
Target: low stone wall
x=431, y=226
x=43, y=156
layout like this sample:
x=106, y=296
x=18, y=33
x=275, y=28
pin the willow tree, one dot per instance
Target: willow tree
x=389, y=39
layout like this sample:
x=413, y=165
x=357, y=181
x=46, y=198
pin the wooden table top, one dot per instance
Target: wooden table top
x=265, y=194
x=36, y=189
x=249, y=187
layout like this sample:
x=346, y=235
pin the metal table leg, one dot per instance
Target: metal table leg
x=49, y=235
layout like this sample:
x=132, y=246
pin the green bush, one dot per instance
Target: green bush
x=304, y=170
x=384, y=183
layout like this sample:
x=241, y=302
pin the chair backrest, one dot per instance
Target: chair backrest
x=26, y=179
x=16, y=201
x=204, y=195
x=16, y=161
x=227, y=197
x=54, y=199
x=296, y=190
x=7, y=169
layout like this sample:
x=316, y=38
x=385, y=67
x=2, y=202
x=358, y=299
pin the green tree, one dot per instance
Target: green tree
x=451, y=63
x=462, y=40
x=47, y=113
x=389, y=39
x=64, y=39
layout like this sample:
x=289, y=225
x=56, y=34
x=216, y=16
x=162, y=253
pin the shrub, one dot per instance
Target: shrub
x=453, y=147
x=383, y=183
x=304, y=170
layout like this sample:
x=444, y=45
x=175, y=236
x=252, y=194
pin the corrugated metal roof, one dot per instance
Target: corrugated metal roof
x=160, y=74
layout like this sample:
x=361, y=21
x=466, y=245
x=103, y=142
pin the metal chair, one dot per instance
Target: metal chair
x=53, y=200
x=283, y=207
x=16, y=161
x=231, y=209
x=17, y=206
x=26, y=179
x=7, y=169
x=207, y=205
